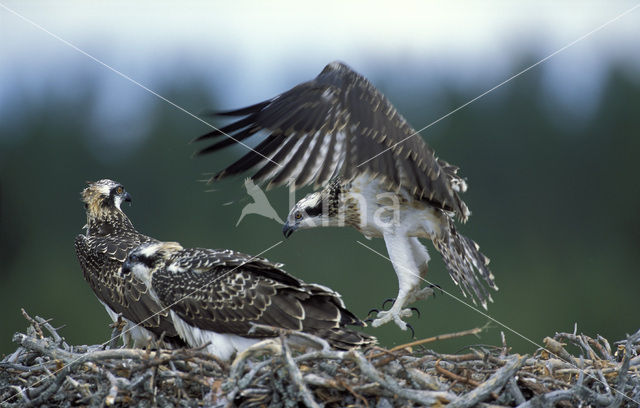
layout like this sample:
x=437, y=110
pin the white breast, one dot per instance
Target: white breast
x=140, y=336
x=221, y=345
x=384, y=211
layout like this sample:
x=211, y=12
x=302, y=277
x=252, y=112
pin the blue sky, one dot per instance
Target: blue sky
x=250, y=51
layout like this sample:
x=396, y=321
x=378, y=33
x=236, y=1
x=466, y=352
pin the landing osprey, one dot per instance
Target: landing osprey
x=218, y=296
x=339, y=132
x=102, y=250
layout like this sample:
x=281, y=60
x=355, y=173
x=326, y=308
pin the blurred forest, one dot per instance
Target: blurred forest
x=555, y=202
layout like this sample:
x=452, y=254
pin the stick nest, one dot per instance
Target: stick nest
x=571, y=370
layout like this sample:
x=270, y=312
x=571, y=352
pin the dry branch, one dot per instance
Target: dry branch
x=45, y=370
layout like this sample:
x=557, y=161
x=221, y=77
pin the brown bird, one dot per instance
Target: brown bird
x=102, y=250
x=231, y=300
x=377, y=175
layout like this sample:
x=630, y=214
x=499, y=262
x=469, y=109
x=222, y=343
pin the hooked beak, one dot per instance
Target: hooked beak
x=287, y=229
x=127, y=197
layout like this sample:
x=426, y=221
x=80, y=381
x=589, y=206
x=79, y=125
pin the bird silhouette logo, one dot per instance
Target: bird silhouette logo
x=260, y=206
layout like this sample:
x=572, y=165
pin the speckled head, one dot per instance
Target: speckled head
x=103, y=197
x=144, y=259
x=319, y=209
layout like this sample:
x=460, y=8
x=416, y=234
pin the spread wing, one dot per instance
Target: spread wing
x=228, y=292
x=101, y=259
x=338, y=124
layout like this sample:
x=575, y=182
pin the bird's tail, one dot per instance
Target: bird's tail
x=467, y=266
x=345, y=338
x=327, y=317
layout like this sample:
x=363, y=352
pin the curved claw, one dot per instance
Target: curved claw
x=413, y=333
x=436, y=286
x=387, y=301
x=373, y=310
x=415, y=309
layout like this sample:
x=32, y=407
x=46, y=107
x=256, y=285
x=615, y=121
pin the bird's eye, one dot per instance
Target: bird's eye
x=119, y=190
x=298, y=215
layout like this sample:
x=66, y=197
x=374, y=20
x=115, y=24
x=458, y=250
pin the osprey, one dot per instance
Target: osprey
x=231, y=300
x=101, y=251
x=339, y=132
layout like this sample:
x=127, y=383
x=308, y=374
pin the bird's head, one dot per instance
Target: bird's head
x=143, y=260
x=104, y=197
x=315, y=210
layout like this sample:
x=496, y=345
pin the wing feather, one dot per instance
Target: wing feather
x=245, y=111
x=229, y=292
x=240, y=124
x=256, y=156
x=330, y=159
x=356, y=125
x=271, y=167
x=100, y=259
x=292, y=164
x=229, y=141
x=310, y=161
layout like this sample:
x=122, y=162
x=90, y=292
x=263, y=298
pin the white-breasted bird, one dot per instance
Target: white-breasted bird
x=101, y=251
x=375, y=172
x=232, y=300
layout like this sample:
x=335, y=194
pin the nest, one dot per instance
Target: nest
x=45, y=370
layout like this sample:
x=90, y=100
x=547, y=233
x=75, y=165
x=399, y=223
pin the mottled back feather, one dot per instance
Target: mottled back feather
x=229, y=292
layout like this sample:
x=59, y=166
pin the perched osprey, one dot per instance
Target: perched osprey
x=218, y=296
x=102, y=250
x=339, y=132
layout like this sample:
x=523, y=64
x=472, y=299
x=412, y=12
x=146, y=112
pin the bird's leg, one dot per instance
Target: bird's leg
x=396, y=313
x=384, y=304
x=414, y=296
x=400, y=253
x=117, y=326
x=421, y=258
x=420, y=294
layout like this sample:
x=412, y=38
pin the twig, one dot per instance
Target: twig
x=494, y=383
x=34, y=324
x=457, y=378
x=296, y=376
x=624, y=367
x=446, y=336
x=45, y=371
x=557, y=348
x=56, y=337
x=367, y=369
x=505, y=349
x=515, y=392
x=113, y=391
x=606, y=352
x=353, y=392
x=549, y=399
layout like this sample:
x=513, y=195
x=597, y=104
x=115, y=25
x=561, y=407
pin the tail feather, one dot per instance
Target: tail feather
x=345, y=338
x=327, y=317
x=467, y=266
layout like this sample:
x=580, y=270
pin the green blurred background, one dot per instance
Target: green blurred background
x=551, y=158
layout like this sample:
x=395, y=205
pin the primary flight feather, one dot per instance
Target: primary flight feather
x=375, y=172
